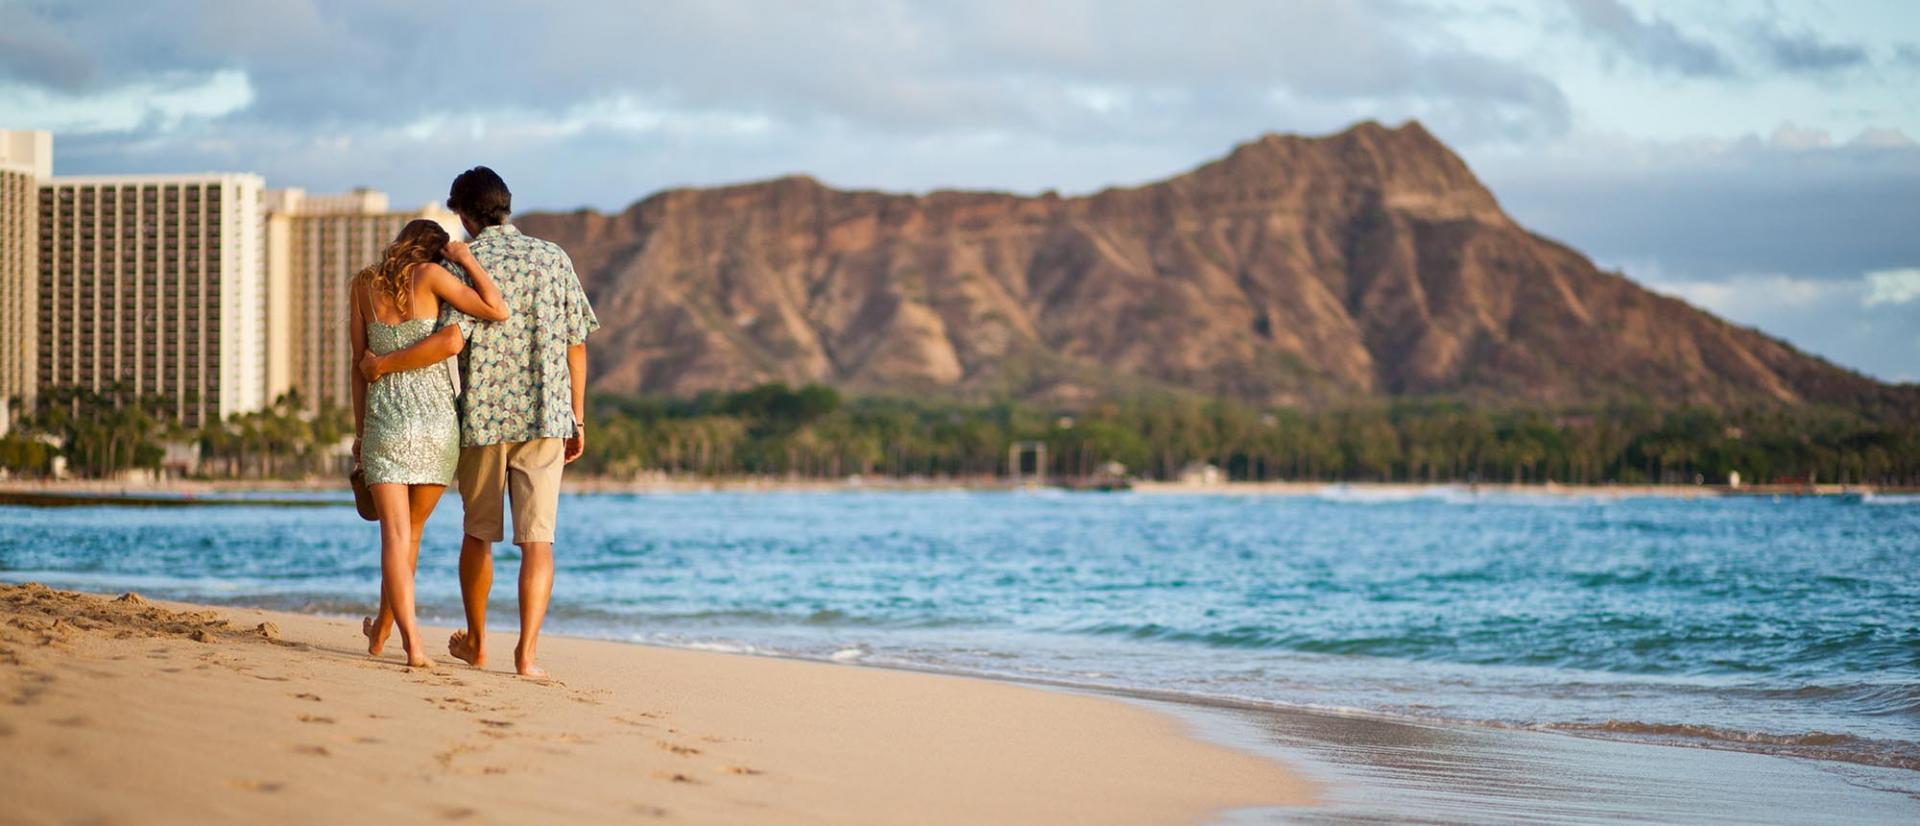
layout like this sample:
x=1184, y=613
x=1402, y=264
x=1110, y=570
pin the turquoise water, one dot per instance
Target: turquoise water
x=1786, y=626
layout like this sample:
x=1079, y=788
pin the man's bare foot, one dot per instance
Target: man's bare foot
x=523, y=663
x=376, y=637
x=466, y=649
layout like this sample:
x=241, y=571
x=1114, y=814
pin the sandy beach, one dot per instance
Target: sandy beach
x=121, y=711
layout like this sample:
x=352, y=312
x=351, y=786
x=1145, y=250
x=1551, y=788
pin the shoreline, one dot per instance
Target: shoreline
x=1666, y=735
x=19, y=489
x=183, y=712
x=667, y=734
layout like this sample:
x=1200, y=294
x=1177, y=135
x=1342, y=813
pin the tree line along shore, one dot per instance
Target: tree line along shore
x=815, y=433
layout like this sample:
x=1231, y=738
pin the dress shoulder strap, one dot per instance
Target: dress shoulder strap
x=364, y=286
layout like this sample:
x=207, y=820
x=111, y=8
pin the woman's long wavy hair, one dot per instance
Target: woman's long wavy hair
x=419, y=242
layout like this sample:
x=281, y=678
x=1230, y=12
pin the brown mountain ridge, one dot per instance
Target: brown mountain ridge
x=1294, y=270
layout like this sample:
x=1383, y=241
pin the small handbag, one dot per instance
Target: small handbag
x=362, y=495
x=357, y=479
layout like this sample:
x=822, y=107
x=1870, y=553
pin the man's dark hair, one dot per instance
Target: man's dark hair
x=480, y=195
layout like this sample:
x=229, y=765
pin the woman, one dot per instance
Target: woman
x=406, y=433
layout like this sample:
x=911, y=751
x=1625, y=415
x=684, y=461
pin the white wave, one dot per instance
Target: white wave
x=721, y=647
x=1890, y=498
x=1368, y=494
x=1545, y=496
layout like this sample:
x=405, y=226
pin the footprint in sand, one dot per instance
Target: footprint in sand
x=676, y=748
x=496, y=723
x=452, y=704
x=313, y=751
x=315, y=718
x=256, y=785
x=674, y=777
x=458, y=813
x=741, y=770
x=305, y=696
x=447, y=757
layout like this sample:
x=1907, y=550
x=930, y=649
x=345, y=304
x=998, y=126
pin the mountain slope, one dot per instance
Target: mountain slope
x=1294, y=270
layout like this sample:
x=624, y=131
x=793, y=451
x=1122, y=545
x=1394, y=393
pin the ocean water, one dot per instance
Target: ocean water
x=1786, y=626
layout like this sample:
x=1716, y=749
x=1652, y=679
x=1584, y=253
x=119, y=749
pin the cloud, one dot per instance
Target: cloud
x=910, y=68
x=1834, y=318
x=33, y=51
x=161, y=103
x=1071, y=95
x=1892, y=287
x=1806, y=51
x=1883, y=138
x=1652, y=41
x=1792, y=202
x=1790, y=136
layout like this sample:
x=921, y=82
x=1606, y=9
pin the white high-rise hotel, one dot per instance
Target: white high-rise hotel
x=25, y=158
x=207, y=290
x=156, y=281
x=315, y=245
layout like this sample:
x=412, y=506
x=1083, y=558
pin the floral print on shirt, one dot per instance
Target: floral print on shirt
x=514, y=372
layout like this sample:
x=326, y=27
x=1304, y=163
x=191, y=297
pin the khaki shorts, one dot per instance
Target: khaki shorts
x=526, y=472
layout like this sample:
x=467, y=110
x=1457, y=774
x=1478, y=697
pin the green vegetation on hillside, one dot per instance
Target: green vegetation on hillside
x=774, y=430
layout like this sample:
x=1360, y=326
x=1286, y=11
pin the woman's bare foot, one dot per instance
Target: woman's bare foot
x=418, y=660
x=466, y=650
x=376, y=637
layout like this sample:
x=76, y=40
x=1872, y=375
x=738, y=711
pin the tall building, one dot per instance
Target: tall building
x=315, y=245
x=26, y=157
x=156, y=281
x=208, y=290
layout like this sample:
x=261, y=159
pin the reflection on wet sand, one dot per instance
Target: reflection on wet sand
x=1376, y=770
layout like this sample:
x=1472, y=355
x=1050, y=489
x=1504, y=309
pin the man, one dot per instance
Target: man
x=523, y=409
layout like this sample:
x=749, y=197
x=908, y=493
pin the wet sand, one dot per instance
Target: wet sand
x=138, y=712
x=1375, y=770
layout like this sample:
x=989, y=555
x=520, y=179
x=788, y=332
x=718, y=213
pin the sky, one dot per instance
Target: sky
x=1757, y=158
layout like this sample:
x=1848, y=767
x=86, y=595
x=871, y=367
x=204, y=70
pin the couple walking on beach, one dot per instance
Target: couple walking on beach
x=511, y=307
